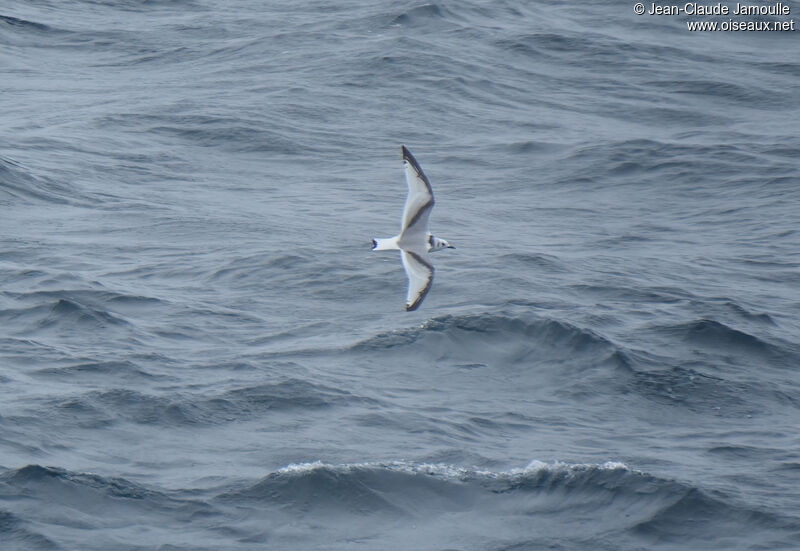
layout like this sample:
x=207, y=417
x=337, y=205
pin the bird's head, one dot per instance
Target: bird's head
x=436, y=244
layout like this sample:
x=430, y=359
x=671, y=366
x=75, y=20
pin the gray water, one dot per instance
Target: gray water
x=199, y=351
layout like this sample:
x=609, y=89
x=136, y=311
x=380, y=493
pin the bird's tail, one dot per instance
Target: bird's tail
x=389, y=244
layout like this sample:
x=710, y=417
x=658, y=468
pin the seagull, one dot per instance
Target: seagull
x=415, y=241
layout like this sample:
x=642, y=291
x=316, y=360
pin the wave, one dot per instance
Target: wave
x=92, y=371
x=70, y=309
x=710, y=518
x=623, y=504
x=624, y=162
x=413, y=489
x=16, y=535
x=228, y=132
x=423, y=15
x=497, y=340
x=25, y=25
x=101, y=408
x=582, y=48
x=384, y=501
x=744, y=313
x=711, y=333
x=65, y=313
x=254, y=266
x=545, y=262
x=651, y=294
x=737, y=93
x=719, y=338
x=18, y=184
x=84, y=503
x=678, y=367
x=693, y=390
x=706, y=366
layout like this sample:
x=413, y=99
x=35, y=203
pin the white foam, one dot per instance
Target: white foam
x=453, y=472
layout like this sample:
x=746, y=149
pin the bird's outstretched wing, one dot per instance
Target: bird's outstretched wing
x=420, y=277
x=419, y=202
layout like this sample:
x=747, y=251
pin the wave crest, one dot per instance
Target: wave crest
x=476, y=340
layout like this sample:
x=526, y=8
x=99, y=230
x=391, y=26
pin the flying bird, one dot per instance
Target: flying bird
x=415, y=241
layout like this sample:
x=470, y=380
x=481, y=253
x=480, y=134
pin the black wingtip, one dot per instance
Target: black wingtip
x=409, y=158
x=374, y=244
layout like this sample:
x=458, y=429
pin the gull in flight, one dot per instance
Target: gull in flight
x=415, y=241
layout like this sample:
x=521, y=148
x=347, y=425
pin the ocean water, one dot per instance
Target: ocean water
x=199, y=351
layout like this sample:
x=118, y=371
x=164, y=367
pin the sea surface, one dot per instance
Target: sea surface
x=199, y=350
